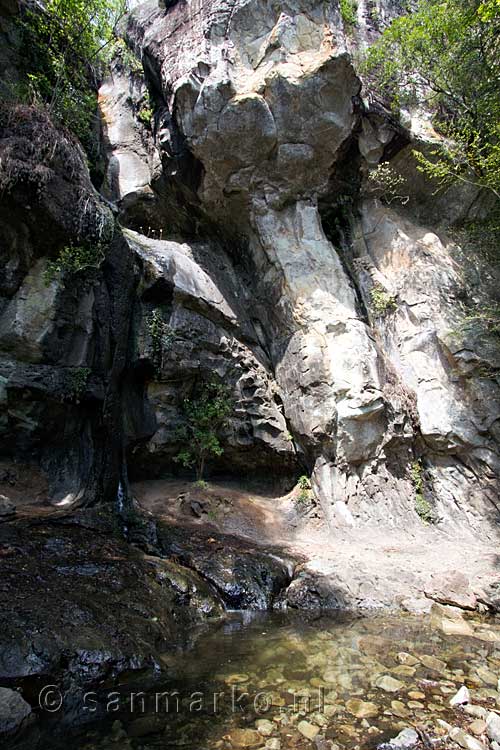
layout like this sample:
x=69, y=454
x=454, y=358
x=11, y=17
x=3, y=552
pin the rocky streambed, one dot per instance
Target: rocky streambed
x=123, y=637
x=280, y=681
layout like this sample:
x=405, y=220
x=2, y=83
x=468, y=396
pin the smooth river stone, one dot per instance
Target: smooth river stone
x=432, y=662
x=465, y=740
x=265, y=727
x=361, y=709
x=399, y=709
x=389, y=684
x=487, y=677
x=493, y=726
x=461, y=697
x=235, y=679
x=478, y=726
x=245, y=738
x=307, y=730
x=404, y=670
x=408, y=659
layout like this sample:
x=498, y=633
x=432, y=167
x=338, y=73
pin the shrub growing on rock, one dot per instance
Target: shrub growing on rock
x=73, y=258
x=204, y=418
x=382, y=302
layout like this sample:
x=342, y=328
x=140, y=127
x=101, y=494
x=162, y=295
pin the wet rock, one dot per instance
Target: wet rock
x=374, y=645
x=310, y=591
x=274, y=743
x=399, y=709
x=486, y=676
x=245, y=738
x=14, y=711
x=405, y=740
x=7, y=508
x=465, y=740
x=237, y=678
x=320, y=719
x=404, y=670
x=407, y=659
x=389, y=684
x=478, y=726
x=265, y=727
x=245, y=576
x=478, y=711
x=493, y=726
x=362, y=709
x=144, y=725
x=158, y=601
x=307, y=729
x=461, y=697
x=433, y=663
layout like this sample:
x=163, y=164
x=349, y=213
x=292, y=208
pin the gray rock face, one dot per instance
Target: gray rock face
x=266, y=99
x=13, y=711
x=207, y=332
x=256, y=247
x=62, y=344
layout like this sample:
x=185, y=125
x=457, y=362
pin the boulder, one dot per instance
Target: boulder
x=465, y=740
x=308, y=730
x=405, y=740
x=7, y=508
x=14, y=711
x=493, y=726
x=389, y=684
x=452, y=588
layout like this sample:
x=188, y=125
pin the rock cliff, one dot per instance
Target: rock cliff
x=236, y=226
x=240, y=219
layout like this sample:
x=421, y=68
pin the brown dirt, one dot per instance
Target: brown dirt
x=377, y=565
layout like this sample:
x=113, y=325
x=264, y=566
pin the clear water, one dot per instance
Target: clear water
x=346, y=677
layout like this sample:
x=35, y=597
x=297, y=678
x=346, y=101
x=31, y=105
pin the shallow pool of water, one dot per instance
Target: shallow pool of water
x=289, y=682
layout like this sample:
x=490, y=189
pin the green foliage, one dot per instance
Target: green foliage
x=73, y=258
x=66, y=44
x=480, y=237
x=128, y=59
x=382, y=302
x=145, y=113
x=303, y=498
x=446, y=54
x=422, y=506
x=202, y=485
x=348, y=10
x=304, y=483
x=387, y=185
x=77, y=382
x=162, y=336
x=204, y=418
x=486, y=318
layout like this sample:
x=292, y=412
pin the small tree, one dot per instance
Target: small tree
x=205, y=416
